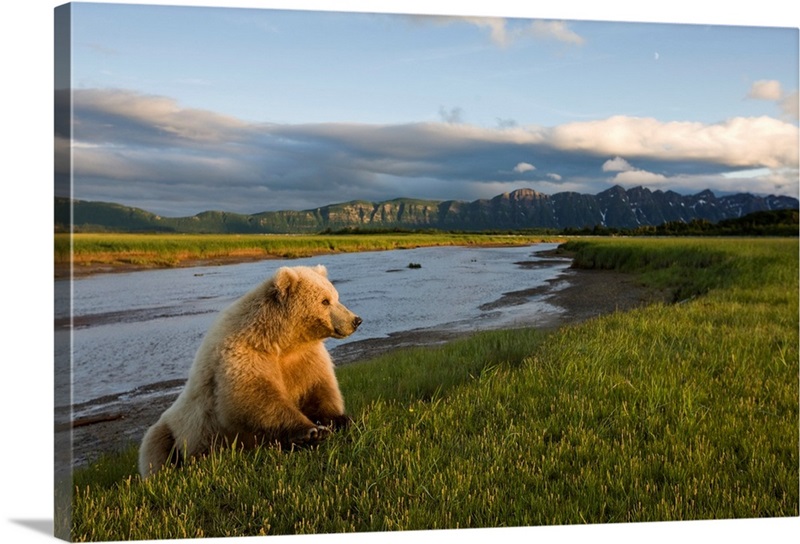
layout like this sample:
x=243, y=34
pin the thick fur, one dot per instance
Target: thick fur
x=261, y=374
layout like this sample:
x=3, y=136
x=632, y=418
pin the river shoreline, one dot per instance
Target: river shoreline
x=65, y=270
x=579, y=294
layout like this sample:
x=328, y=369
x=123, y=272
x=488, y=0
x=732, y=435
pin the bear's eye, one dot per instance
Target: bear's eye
x=326, y=302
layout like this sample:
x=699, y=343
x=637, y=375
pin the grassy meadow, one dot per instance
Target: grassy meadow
x=681, y=411
x=168, y=250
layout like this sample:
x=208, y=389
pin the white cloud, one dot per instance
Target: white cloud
x=497, y=28
x=745, y=174
x=617, y=164
x=764, y=180
x=738, y=142
x=504, y=32
x=555, y=30
x=766, y=90
x=412, y=141
x=126, y=141
x=151, y=115
x=789, y=106
x=782, y=181
x=772, y=91
x=634, y=178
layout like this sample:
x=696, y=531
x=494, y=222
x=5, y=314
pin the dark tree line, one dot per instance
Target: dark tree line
x=764, y=223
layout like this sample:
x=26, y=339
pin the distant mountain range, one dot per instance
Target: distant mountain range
x=520, y=209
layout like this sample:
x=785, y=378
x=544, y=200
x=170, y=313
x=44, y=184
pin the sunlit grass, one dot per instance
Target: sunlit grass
x=670, y=412
x=166, y=250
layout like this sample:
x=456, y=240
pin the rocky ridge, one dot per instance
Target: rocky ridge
x=520, y=209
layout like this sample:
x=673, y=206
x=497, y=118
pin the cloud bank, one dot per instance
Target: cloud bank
x=148, y=151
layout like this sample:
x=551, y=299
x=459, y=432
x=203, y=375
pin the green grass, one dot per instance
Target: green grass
x=671, y=412
x=166, y=250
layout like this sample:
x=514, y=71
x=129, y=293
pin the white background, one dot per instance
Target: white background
x=27, y=279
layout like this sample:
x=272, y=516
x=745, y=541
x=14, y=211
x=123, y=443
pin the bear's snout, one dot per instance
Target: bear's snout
x=344, y=322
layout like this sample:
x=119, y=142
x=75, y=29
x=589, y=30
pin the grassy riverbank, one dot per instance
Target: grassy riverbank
x=669, y=412
x=90, y=252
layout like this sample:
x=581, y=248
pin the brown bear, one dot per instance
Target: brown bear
x=261, y=375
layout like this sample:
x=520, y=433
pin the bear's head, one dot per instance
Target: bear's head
x=313, y=304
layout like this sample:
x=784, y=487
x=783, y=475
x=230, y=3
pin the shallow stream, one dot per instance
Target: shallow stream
x=135, y=334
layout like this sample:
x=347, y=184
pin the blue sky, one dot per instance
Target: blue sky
x=183, y=109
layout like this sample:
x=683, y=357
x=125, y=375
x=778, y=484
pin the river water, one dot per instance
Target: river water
x=132, y=333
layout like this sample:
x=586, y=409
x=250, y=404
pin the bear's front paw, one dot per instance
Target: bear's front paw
x=335, y=422
x=311, y=435
x=318, y=434
x=341, y=422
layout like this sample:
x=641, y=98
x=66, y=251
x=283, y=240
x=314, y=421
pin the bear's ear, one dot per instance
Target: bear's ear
x=321, y=270
x=285, y=280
